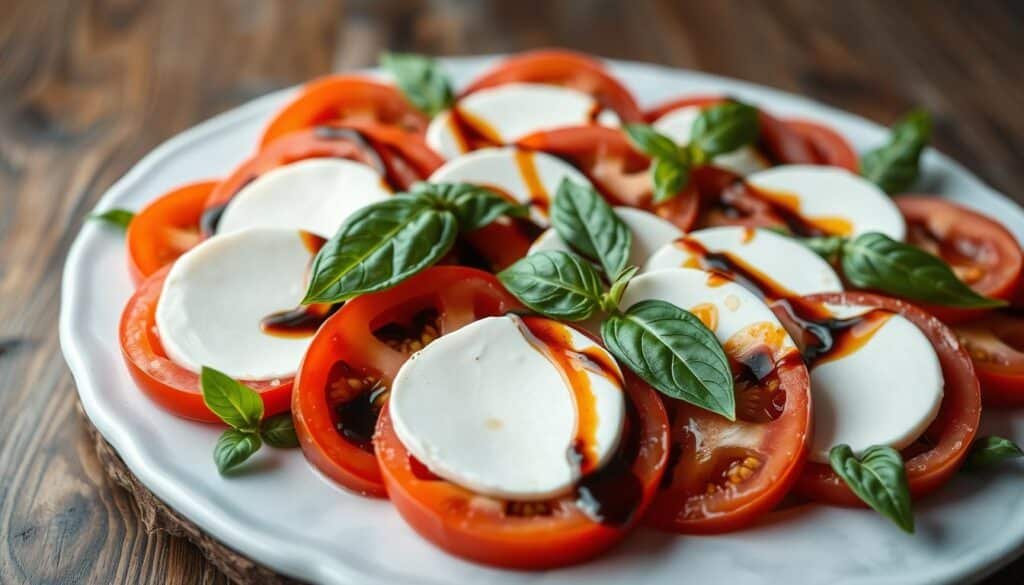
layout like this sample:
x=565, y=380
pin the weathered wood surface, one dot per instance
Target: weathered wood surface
x=88, y=87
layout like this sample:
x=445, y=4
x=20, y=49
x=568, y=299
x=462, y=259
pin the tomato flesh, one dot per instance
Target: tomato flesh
x=996, y=346
x=165, y=229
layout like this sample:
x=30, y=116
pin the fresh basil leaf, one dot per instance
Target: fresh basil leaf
x=116, y=217
x=611, y=299
x=279, y=431
x=585, y=221
x=724, y=128
x=828, y=247
x=233, y=447
x=651, y=142
x=987, y=451
x=379, y=246
x=879, y=479
x=474, y=206
x=876, y=261
x=422, y=80
x=895, y=166
x=669, y=177
x=233, y=402
x=673, y=351
x=555, y=284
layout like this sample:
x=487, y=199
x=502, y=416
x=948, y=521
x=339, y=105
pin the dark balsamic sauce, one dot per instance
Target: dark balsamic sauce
x=369, y=152
x=304, y=320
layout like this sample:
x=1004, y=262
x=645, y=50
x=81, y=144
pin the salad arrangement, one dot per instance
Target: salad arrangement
x=534, y=315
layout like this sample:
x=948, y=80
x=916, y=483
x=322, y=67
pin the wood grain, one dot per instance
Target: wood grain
x=88, y=87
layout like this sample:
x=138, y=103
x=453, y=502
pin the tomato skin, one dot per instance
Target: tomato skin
x=171, y=386
x=831, y=148
x=461, y=295
x=565, y=68
x=949, y=436
x=443, y=513
x=994, y=343
x=969, y=241
x=343, y=99
x=165, y=229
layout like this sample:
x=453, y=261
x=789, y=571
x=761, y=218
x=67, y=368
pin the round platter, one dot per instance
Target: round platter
x=280, y=513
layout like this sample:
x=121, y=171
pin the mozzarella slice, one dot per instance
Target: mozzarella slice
x=521, y=175
x=484, y=408
x=791, y=266
x=650, y=233
x=216, y=295
x=886, y=392
x=315, y=195
x=836, y=200
x=678, y=125
x=506, y=113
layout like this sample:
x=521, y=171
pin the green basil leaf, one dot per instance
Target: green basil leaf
x=876, y=261
x=233, y=402
x=669, y=177
x=585, y=221
x=987, y=451
x=673, y=351
x=422, y=80
x=116, y=217
x=828, y=247
x=879, y=479
x=233, y=447
x=555, y=284
x=611, y=299
x=279, y=431
x=895, y=166
x=725, y=127
x=474, y=206
x=651, y=142
x=379, y=246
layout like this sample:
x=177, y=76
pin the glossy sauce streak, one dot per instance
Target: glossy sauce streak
x=539, y=196
x=304, y=320
x=471, y=132
x=825, y=337
x=787, y=206
x=370, y=155
x=733, y=268
x=210, y=218
x=707, y=313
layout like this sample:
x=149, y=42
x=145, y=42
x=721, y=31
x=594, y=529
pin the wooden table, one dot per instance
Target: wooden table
x=88, y=87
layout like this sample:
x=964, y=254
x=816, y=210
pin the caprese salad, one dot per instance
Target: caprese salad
x=534, y=315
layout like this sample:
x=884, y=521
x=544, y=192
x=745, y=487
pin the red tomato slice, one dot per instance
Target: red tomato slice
x=165, y=229
x=980, y=250
x=938, y=453
x=565, y=68
x=619, y=171
x=341, y=99
x=830, y=148
x=165, y=382
x=724, y=475
x=351, y=362
x=995, y=344
x=534, y=535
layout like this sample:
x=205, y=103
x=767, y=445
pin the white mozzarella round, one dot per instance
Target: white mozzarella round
x=886, y=392
x=650, y=233
x=484, y=408
x=216, y=295
x=508, y=112
x=842, y=203
x=678, y=125
x=523, y=175
x=315, y=195
x=791, y=265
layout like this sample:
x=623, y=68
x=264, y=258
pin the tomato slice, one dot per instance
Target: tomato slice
x=568, y=69
x=165, y=229
x=401, y=157
x=723, y=474
x=618, y=170
x=341, y=99
x=996, y=346
x=980, y=250
x=534, y=535
x=165, y=382
x=352, y=360
x=938, y=453
x=829, y=147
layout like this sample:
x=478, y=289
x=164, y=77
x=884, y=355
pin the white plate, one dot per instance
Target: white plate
x=283, y=514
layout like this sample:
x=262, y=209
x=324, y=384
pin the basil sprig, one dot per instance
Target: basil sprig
x=120, y=218
x=387, y=242
x=669, y=348
x=895, y=166
x=422, y=80
x=241, y=408
x=879, y=479
x=719, y=129
x=877, y=262
x=988, y=451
